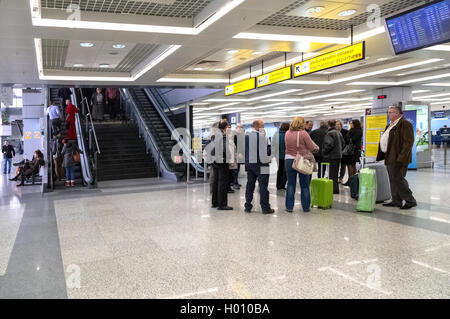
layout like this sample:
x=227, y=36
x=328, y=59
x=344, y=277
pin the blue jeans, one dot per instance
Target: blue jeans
x=7, y=162
x=305, y=181
x=70, y=173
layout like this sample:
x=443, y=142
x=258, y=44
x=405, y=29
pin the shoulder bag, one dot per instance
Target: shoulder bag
x=302, y=164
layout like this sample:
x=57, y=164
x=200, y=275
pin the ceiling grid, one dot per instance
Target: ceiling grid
x=282, y=19
x=179, y=9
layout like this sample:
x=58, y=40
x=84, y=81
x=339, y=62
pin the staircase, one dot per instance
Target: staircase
x=157, y=127
x=123, y=153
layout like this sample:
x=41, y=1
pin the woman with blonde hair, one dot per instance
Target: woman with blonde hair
x=298, y=141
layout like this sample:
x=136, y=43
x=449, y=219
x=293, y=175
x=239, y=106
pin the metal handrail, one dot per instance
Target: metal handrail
x=193, y=160
x=91, y=122
x=156, y=152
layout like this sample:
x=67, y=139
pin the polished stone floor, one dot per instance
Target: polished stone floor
x=156, y=239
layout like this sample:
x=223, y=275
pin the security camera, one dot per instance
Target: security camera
x=443, y=107
x=332, y=107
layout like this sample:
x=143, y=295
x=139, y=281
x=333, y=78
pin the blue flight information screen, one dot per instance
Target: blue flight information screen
x=421, y=27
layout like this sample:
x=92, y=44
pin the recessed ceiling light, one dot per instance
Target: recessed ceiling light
x=118, y=46
x=78, y=65
x=314, y=10
x=347, y=13
x=86, y=44
x=219, y=69
x=256, y=53
x=104, y=65
x=198, y=69
x=233, y=51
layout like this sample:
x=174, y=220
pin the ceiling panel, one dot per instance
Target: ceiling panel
x=293, y=15
x=160, y=8
x=56, y=57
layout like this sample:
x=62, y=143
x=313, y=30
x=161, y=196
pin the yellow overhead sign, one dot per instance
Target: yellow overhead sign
x=240, y=87
x=328, y=60
x=274, y=77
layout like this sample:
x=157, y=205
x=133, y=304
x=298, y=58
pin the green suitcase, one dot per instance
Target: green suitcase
x=322, y=192
x=367, y=190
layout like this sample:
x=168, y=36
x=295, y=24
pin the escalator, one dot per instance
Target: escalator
x=158, y=128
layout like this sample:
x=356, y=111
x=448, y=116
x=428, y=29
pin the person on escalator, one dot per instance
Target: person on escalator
x=98, y=101
x=71, y=132
x=69, y=151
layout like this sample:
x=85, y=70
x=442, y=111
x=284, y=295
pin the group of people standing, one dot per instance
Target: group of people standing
x=325, y=144
x=105, y=102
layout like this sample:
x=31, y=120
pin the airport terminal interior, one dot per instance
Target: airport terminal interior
x=109, y=109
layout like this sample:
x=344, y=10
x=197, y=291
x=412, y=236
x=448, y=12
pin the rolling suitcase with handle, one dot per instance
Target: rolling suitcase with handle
x=383, y=185
x=367, y=190
x=322, y=191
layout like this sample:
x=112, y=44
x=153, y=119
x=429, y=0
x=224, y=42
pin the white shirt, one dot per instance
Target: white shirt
x=385, y=137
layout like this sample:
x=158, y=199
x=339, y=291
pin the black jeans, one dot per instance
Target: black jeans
x=334, y=171
x=113, y=108
x=220, y=185
x=253, y=175
x=281, y=175
x=399, y=185
x=56, y=126
x=342, y=169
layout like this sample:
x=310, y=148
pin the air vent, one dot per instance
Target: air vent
x=208, y=62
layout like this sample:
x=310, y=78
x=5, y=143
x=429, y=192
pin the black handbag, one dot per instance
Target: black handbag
x=349, y=149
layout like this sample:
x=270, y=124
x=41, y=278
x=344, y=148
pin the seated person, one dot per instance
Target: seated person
x=29, y=168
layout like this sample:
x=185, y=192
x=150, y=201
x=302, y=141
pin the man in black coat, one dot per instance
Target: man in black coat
x=318, y=136
x=333, y=144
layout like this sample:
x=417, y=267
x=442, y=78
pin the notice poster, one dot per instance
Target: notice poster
x=375, y=126
x=411, y=116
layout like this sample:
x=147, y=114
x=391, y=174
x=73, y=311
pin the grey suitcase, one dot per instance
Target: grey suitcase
x=383, y=185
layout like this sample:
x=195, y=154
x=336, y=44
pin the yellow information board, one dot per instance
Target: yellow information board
x=239, y=87
x=376, y=121
x=342, y=56
x=274, y=77
x=197, y=143
x=373, y=136
x=371, y=150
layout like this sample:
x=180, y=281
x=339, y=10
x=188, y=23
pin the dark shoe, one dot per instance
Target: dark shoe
x=214, y=206
x=230, y=191
x=391, y=204
x=14, y=179
x=248, y=211
x=225, y=208
x=288, y=210
x=270, y=211
x=408, y=205
x=306, y=211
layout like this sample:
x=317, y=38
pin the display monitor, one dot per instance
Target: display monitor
x=421, y=27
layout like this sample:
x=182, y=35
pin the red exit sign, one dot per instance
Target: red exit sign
x=381, y=97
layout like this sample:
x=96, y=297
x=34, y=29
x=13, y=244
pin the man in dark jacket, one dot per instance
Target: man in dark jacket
x=395, y=148
x=220, y=167
x=257, y=159
x=8, y=154
x=318, y=135
x=64, y=94
x=333, y=144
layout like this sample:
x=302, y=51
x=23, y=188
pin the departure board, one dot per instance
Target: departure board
x=419, y=28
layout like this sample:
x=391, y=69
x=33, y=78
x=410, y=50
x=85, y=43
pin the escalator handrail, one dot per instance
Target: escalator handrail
x=155, y=149
x=162, y=100
x=195, y=164
x=84, y=100
x=84, y=160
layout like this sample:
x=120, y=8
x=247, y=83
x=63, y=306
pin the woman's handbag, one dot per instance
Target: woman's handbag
x=302, y=164
x=76, y=157
x=349, y=149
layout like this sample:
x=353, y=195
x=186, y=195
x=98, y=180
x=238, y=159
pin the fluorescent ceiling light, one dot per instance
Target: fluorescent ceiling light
x=420, y=91
x=255, y=98
x=37, y=20
x=436, y=84
x=350, y=99
x=219, y=69
x=433, y=77
x=443, y=102
x=86, y=44
x=78, y=65
x=316, y=97
x=118, y=46
x=193, y=80
x=291, y=38
x=198, y=69
x=431, y=96
x=256, y=53
x=219, y=106
x=233, y=51
x=104, y=65
x=373, y=83
x=347, y=13
x=382, y=59
x=441, y=47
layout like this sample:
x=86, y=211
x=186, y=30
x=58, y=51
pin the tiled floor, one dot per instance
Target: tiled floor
x=146, y=239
